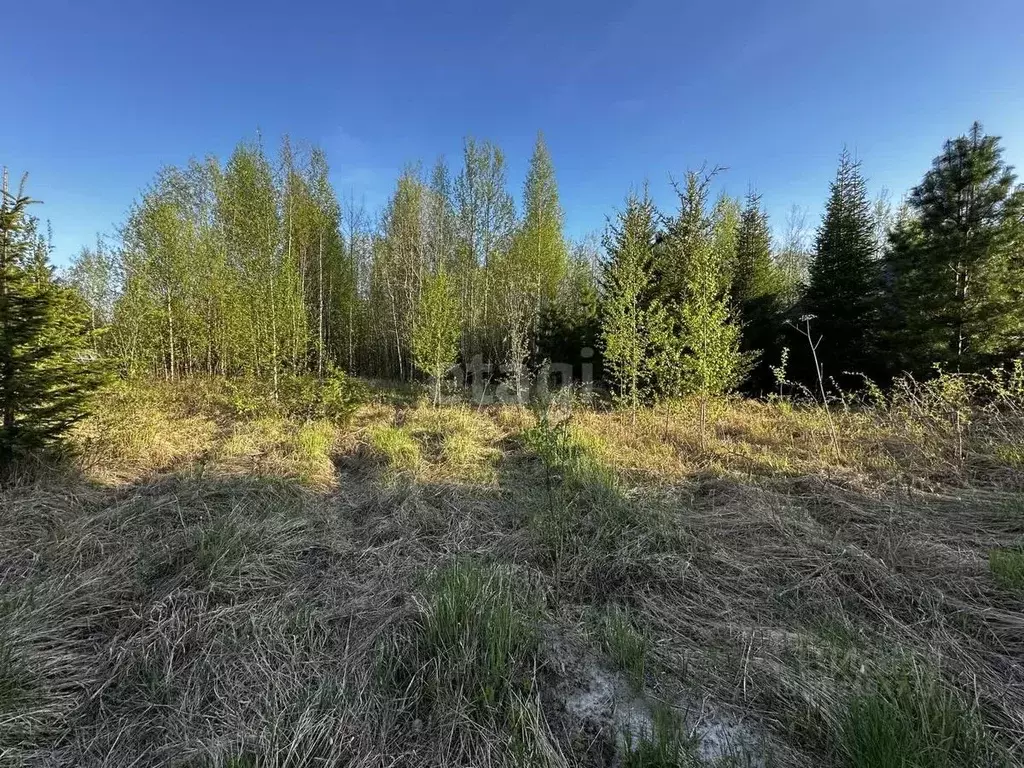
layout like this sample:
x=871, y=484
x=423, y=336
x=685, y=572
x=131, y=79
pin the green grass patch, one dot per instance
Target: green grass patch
x=625, y=642
x=667, y=745
x=398, y=448
x=909, y=718
x=1007, y=566
x=468, y=661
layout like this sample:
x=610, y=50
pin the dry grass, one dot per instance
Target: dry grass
x=486, y=587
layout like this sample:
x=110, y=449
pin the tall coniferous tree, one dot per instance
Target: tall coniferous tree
x=541, y=240
x=711, y=362
x=955, y=263
x=843, y=292
x=625, y=312
x=45, y=377
x=757, y=286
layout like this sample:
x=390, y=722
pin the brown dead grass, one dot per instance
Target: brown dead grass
x=216, y=588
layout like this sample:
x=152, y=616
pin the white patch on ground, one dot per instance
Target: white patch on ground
x=604, y=699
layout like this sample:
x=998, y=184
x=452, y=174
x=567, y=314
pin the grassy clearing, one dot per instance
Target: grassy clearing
x=459, y=586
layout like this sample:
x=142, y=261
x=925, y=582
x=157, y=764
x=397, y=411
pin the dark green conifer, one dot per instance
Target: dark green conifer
x=46, y=372
x=843, y=293
x=955, y=263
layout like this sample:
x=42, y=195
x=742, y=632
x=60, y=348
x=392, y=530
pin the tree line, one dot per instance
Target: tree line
x=253, y=267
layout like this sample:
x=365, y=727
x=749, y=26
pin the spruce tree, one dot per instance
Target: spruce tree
x=757, y=288
x=845, y=280
x=544, y=251
x=955, y=262
x=625, y=314
x=45, y=376
x=711, y=363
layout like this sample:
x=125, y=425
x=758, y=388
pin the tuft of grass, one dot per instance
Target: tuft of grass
x=588, y=530
x=458, y=444
x=399, y=449
x=908, y=717
x=1007, y=566
x=625, y=643
x=667, y=744
x=467, y=664
x=475, y=637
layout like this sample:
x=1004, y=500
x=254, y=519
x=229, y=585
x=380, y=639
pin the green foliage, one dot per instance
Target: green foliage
x=908, y=718
x=1007, y=566
x=711, y=363
x=955, y=265
x=485, y=226
x=251, y=268
x=435, y=333
x=627, y=319
x=844, y=291
x=46, y=368
x=757, y=289
x=570, y=326
x=540, y=234
x=335, y=397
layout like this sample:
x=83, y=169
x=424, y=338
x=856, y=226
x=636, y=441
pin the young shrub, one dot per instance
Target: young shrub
x=334, y=397
x=435, y=332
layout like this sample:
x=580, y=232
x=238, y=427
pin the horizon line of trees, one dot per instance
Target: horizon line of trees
x=253, y=268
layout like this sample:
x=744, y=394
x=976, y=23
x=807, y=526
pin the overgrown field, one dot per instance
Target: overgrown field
x=217, y=583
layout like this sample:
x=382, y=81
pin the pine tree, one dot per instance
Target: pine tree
x=44, y=381
x=955, y=262
x=625, y=315
x=845, y=280
x=756, y=293
x=435, y=332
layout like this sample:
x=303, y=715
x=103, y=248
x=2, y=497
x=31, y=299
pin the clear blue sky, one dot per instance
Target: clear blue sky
x=98, y=95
